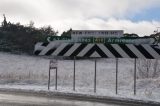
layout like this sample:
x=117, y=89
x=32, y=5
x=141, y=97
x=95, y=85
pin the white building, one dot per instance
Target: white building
x=96, y=33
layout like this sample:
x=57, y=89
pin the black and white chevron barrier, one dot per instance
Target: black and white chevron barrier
x=98, y=50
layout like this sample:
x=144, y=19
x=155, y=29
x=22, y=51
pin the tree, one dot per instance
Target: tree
x=4, y=23
x=48, y=31
x=148, y=68
x=68, y=33
x=130, y=35
x=31, y=24
x=157, y=36
x=18, y=37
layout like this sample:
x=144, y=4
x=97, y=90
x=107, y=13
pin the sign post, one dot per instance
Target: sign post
x=135, y=76
x=95, y=76
x=52, y=65
x=74, y=75
x=49, y=78
x=116, y=75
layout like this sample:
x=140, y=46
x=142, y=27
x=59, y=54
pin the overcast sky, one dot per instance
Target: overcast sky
x=132, y=16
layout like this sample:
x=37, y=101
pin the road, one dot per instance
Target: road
x=32, y=98
x=7, y=99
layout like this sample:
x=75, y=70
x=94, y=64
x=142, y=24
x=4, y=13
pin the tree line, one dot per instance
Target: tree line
x=15, y=37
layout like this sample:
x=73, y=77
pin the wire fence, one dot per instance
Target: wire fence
x=89, y=75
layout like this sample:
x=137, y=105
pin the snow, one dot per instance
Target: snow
x=31, y=73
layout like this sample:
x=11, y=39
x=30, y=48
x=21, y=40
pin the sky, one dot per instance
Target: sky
x=132, y=16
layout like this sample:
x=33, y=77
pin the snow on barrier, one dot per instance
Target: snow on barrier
x=145, y=51
x=98, y=50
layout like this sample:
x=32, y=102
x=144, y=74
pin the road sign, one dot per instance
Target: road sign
x=53, y=38
x=53, y=64
x=106, y=40
x=100, y=50
x=95, y=33
x=122, y=40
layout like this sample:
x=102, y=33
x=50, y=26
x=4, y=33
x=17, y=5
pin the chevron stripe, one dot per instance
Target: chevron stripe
x=156, y=48
x=39, y=46
x=95, y=54
x=135, y=51
x=98, y=50
x=85, y=50
x=70, y=51
x=47, y=48
x=151, y=51
x=120, y=50
x=37, y=52
x=144, y=51
x=105, y=50
x=45, y=44
x=65, y=50
x=128, y=51
x=113, y=51
x=59, y=49
x=78, y=50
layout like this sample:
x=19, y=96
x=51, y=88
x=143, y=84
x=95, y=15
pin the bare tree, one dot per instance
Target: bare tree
x=156, y=70
x=148, y=68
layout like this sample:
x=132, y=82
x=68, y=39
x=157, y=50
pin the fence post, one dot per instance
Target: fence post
x=116, y=75
x=74, y=75
x=56, y=79
x=135, y=76
x=49, y=74
x=95, y=76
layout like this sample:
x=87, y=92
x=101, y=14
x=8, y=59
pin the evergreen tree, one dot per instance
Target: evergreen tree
x=67, y=34
x=17, y=37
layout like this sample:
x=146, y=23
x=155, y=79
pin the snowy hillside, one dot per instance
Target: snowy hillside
x=22, y=70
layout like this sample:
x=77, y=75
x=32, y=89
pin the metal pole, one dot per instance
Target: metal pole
x=147, y=69
x=116, y=75
x=95, y=76
x=74, y=75
x=49, y=78
x=135, y=76
x=56, y=80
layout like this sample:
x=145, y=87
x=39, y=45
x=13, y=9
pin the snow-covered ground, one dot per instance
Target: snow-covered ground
x=29, y=72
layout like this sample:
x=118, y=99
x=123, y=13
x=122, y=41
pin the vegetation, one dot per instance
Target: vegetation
x=130, y=35
x=67, y=34
x=20, y=38
x=157, y=36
